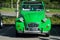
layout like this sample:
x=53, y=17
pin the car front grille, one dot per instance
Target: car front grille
x=33, y=25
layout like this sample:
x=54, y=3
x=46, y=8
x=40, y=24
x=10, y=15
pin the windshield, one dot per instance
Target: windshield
x=32, y=2
x=32, y=6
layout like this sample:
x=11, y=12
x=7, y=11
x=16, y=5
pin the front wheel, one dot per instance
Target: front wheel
x=46, y=35
x=18, y=34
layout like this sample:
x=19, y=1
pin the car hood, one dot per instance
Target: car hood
x=33, y=16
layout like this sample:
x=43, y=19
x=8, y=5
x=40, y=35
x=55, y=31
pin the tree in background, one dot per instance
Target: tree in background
x=48, y=3
x=11, y=3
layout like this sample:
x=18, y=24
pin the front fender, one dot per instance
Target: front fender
x=19, y=25
x=46, y=26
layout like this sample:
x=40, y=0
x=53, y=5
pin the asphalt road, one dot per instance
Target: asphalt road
x=14, y=14
x=8, y=33
x=8, y=13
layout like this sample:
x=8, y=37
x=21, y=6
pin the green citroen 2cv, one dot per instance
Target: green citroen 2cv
x=32, y=19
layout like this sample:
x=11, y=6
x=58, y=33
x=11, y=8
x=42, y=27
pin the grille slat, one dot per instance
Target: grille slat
x=33, y=25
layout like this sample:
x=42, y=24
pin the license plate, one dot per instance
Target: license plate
x=32, y=29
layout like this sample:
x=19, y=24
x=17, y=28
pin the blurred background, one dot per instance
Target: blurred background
x=8, y=10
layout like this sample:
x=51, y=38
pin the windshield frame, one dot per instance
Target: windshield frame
x=27, y=9
x=33, y=3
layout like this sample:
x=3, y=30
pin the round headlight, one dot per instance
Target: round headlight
x=21, y=19
x=44, y=20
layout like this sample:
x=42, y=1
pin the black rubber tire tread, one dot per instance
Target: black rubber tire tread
x=47, y=35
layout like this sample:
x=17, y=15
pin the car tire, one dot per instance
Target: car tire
x=18, y=34
x=46, y=35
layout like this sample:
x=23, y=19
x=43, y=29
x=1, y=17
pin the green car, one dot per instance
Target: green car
x=32, y=19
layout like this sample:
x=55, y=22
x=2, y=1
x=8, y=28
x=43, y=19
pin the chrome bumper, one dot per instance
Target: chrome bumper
x=35, y=32
x=32, y=32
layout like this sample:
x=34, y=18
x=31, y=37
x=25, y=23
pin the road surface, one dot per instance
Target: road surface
x=14, y=14
x=8, y=33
